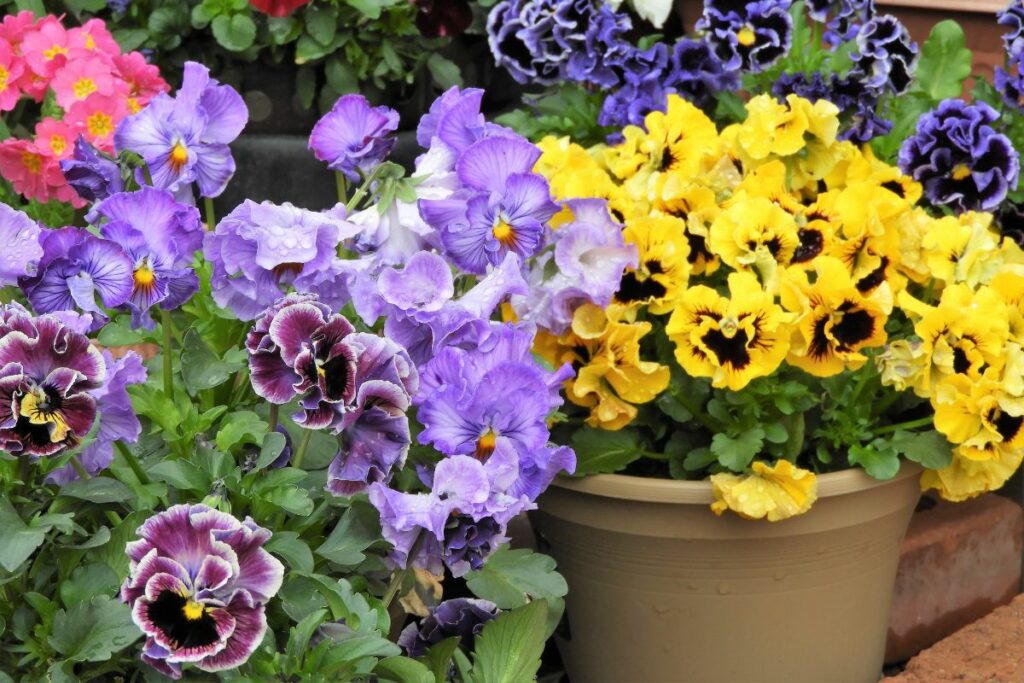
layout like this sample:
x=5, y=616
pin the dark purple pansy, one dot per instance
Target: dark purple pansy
x=47, y=374
x=697, y=73
x=747, y=35
x=604, y=47
x=959, y=159
x=843, y=18
x=76, y=266
x=533, y=39
x=353, y=137
x=461, y=617
x=885, y=57
x=92, y=174
x=197, y=585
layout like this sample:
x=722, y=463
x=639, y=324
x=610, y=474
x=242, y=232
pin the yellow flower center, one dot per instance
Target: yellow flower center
x=144, y=276
x=193, y=610
x=961, y=171
x=485, y=445
x=746, y=36
x=503, y=232
x=133, y=105
x=32, y=162
x=84, y=87
x=36, y=407
x=90, y=42
x=58, y=144
x=729, y=327
x=179, y=156
x=54, y=50
x=99, y=124
x=4, y=75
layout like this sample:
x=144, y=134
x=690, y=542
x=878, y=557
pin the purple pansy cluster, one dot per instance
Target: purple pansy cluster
x=959, y=158
x=198, y=584
x=1009, y=80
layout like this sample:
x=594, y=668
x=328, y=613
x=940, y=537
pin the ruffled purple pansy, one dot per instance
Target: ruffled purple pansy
x=1009, y=80
x=697, y=73
x=747, y=35
x=885, y=57
x=353, y=137
x=22, y=251
x=198, y=584
x=48, y=372
x=91, y=174
x=533, y=39
x=460, y=617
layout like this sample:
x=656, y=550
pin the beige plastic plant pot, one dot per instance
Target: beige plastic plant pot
x=660, y=589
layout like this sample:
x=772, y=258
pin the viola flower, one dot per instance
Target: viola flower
x=461, y=617
x=644, y=89
x=533, y=39
x=661, y=275
x=755, y=234
x=259, y=251
x=749, y=36
x=501, y=209
x=697, y=73
x=354, y=138
x=857, y=103
x=21, y=252
x=198, y=584
x=11, y=68
x=97, y=116
x=47, y=372
x=775, y=492
x=843, y=18
x=277, y=8
x=118, y=421
x=45, y=47
x=91, y=174
x=74, y=268
x=160, y=236
x=731, y=340
x=1009, y=81
x=886, y=57
x=81, y=78
x=967, y=477
x=959, y=158
x=185, y=139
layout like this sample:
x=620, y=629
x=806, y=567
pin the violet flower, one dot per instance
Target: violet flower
x=885, y=56
x=697, y=73
x=461, y=617
x=353, y=137
x=843, y=18
x=1009, y=80
x=47, y=374
x=260, y=251
x=90, y=173
x=184, y=139
x=22, y=251
x=959, y=159
x=198, y=584
x=604, y=46
x=750, y=36
x=118, y=421
x=533, y=39
x=74, y=268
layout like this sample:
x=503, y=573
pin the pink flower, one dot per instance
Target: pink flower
x=15, y=26
x=143, y=79
x=97, y=116
x=82, y=77
x=10, y=71
x=93, y=38
x=55, y=138
x=46, y=46
x=29, y=170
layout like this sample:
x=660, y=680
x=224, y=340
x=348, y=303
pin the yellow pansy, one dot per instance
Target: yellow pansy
x=733, y=340
x=1009, y=285
x=755, y=234
x=978, y=412
x=963, y=249
x=664, y=268
x=873, y=262
x=777, y=492
x=696, y=208
x=912, y=226
x=905, y=365
x=967, y=477
x=681, y=139
x=571, y=171
x=835, y=320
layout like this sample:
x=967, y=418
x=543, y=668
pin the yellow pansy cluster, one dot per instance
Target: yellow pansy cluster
x=771, y=241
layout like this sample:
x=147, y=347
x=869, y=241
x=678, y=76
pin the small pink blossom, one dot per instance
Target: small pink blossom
x=15, y=26
x=55, y=138
x=80, y=78
x=97, y=116
x=143, y=79
x=46, y=46
x=32, y=172
x=10, y=72
x=93, y=39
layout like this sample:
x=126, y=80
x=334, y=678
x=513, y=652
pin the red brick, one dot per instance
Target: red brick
x=990, y=650
x=958, y=563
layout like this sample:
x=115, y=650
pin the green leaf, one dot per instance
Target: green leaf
x=402, y=670
x=775, y=432
x=322, y=23
x=945, y=61
x=511, y=578
x=130, y=39
x=444, y=71
x=370, y=8
x=879, y=459
x=181, y=474
x=283, y=30
x=112, y=552
x=19, y=539
x=439, y=658
x=290, y=499
x=273, y=443
x=235, y=33
x=238, y=426
x=88, y=581
x=508, y=650
x=93, y=631
x=305, y=86
x=34, y=6
x=357, y=531
x=300, y=634
x=737, y=453
x=598, y=450
x=341, y=76
x=98, y=490
x=930, y=449
x=293, y=550
x=200, y=367
x=118, y=332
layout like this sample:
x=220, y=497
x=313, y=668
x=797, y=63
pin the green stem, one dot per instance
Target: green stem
x=361, y=192
x=272, y=416
x=133, y=462
x=112, y=517
x=300, y=452
x=398, y=578
x=912, y=424
x=342, y=184
x=211, y=215
x=146, y=174
x=76, y=464
x=165, y=323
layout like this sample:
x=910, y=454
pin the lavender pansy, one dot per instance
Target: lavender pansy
x=747, y=35
x=47, y=374
x=197, y=585
x=461, y=617
x=354, y=138
x=959, y=159
x=93, y=175
x=22, y=251
x=185, y=139
x=885, y=56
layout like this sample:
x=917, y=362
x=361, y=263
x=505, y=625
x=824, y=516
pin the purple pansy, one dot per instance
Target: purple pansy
x=697, y=73
x=160, y=236
x=75, y=267
x=185, y=139
x=502, y=207
x=47, y=374
x=260, y=251
x=604, y=45
x=842, y=17
x=1009, y=81
x=91, y=174
x=747, y=35
x=21, y=252
x=586, y=265
x=533, y=39
x=958, y=157
x=197, y=585
x=885, y=57
x=354, y=137
x=460, y=617
x=118, y=421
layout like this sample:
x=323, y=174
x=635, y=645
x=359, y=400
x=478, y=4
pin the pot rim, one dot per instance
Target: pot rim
x=655, y=490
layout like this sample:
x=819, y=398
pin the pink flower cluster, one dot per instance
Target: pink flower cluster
x=92, y=82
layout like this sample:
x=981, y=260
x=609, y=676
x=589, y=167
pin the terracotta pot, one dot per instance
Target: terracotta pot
x=660, y=589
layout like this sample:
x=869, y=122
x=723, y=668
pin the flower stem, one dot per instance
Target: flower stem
x=133, y=462
x=76, y=464
x=912, y=424
x=211, y=216
x=398, y=578
x=342, y=183
x=361, y=192
x=272, y=416
x=165, y=323
x=300, y=452
x=146, y=175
